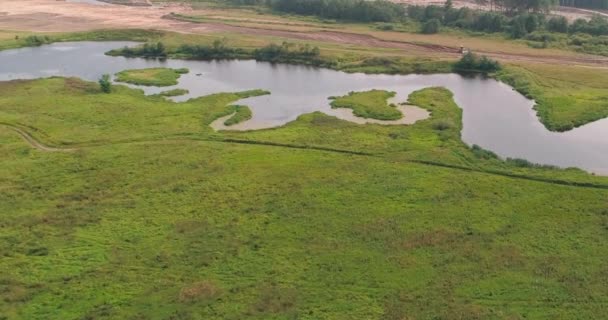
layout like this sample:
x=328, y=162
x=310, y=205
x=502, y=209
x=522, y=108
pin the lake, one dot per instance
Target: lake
x=495, y=116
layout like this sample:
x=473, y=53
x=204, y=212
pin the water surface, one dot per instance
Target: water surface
x=495, y=117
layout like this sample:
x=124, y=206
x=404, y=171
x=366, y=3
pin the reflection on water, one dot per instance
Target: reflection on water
x=495, y=117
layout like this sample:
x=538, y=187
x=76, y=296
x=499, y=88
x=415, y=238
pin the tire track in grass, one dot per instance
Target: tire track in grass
x=42, y=147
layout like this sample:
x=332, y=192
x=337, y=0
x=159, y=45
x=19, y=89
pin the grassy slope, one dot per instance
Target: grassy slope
x=205, y=229
x=160, y=77
x=370, y=104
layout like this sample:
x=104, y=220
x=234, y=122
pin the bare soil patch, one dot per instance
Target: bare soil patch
x=60, y=16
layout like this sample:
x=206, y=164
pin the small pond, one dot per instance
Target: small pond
x=495, y=117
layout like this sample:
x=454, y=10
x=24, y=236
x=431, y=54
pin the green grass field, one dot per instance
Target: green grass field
x=155, y=216
x=158, y=77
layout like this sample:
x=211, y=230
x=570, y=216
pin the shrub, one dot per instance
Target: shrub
x=558, y=24
x=432, y=26
x=472, y=63
x=35, y=41
x=482, y=153
x=385, y=27
x=442, y=125
x=105, y=84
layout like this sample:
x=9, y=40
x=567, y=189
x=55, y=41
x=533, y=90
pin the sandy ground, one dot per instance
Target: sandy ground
x=61, y=16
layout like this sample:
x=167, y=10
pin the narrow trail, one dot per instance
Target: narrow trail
x=42, y=147
x=32, y=141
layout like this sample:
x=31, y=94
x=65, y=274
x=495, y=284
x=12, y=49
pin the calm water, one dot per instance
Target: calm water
x=495, y=117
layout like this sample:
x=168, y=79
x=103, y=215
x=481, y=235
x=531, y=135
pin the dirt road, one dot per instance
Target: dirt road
x=60, y=16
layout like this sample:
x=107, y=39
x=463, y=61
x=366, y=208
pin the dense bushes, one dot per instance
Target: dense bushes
x=148, y=50
x=218, y=50
x=104, y=83
x=591, y=4
x=558, y=24
x=287, y=51
x=517, y=25
x=35, y=41
x=432, y=26
x=351, y=10
x=472, y=63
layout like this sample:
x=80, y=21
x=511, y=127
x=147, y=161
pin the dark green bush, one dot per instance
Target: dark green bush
x=432, y=26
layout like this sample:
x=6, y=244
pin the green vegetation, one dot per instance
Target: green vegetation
x=155, y=215
x=174, y=93
x=470, y=62
x=104, y=83
x=301, y=54
x=241, y=113
x=539, y=30
x=370, y=104
x=566, y=97
x=159, y=77
x=35, y=41
x=286, y=52
x=590, y=4
x=355, y=10
x=431, y=27
x=147, y=50
x=21, y=39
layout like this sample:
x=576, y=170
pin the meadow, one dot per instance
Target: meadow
x=155, y=216
x=137, y=209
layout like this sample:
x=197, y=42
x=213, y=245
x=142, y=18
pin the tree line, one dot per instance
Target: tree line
x=589, y=4
x=518, y=25
x=219, y=49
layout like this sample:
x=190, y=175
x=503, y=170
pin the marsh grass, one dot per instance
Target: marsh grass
x=174, y=93
x=242, y=113
x=370, y=104
x=159, y=77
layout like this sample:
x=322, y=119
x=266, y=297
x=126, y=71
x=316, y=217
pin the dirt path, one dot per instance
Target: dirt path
x=33, y=142
x=60, y=16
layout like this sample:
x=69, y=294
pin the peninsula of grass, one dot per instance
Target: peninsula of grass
x=369, y=104
x=566, y=97
x=158, y=77
x=174, y=93
x=241, y=113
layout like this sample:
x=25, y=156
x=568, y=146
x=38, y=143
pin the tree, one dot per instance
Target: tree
x=558, y=24
x=432, y=26
x=448, y=5
x=105, y=84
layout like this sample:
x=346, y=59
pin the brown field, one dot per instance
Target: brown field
x=60, y=16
